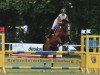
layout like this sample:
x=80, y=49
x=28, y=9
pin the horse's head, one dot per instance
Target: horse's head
x=62, y=27
x=64, y=22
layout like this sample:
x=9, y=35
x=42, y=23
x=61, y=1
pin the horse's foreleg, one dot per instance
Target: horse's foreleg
x=59, y=42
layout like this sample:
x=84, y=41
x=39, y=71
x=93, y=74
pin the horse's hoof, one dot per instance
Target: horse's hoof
x=51, y=70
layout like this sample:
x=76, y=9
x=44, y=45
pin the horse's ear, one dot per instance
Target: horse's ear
x=67, y=21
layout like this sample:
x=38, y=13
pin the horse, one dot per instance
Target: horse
x=61, y=35
x=63, y=31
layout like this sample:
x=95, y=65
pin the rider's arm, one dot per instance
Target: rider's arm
x=66, y=17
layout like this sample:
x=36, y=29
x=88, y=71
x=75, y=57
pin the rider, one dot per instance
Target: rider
x=59, y=19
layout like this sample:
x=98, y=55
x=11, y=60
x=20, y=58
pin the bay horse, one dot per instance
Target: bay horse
x=61, y=35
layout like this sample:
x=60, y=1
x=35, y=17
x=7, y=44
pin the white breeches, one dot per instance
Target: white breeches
x=54, y=25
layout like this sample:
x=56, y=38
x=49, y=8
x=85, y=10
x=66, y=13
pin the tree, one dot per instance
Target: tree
x=40, y=14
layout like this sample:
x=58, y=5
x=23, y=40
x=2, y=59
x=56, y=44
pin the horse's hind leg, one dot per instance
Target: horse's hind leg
x=45, y=47
x=54, y=56
x=44, y=56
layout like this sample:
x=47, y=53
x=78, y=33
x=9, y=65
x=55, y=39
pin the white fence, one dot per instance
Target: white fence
x=35, y=47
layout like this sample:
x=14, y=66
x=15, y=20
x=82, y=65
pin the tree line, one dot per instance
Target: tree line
x=39, y=15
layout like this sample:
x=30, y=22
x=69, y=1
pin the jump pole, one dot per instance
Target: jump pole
x=2, y=53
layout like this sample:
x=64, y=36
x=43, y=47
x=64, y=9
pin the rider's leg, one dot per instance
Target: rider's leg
x=52, y=29
x=51, y=32
x=54, y=25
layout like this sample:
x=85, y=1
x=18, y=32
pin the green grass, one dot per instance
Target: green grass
x=43, y=73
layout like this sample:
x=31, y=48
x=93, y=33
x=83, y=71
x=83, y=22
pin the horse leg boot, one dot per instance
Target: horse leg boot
x=51, y=32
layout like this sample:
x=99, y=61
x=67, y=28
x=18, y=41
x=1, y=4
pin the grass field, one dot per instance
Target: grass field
x=31, y=72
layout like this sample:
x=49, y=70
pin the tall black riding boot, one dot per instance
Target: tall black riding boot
x=51, y=32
